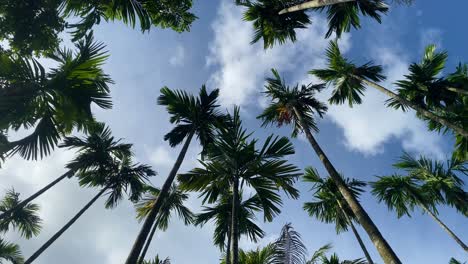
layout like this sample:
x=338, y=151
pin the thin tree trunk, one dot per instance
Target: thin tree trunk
x=458, y=90
x=34, y=196
x=145, y=249
x=312, y=4
x=228, y=246
x=418, y=109
x=235, y=223
x=63, y=229
x=455, y=237
x=384, y=249
x=358, y=237
x=146, y=228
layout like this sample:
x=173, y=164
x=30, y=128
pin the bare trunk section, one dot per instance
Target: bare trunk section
x=312, y=4
x=37, y=194
x=145, y=249
x=235, y=223
x=228, y=246
x=384, y=249
x=418, y=109
x=146, y=228
x=64, y=228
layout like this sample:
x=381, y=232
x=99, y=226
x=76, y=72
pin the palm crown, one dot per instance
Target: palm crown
x=286, y=102
x=346, y=77
x=52, y=103
x=10, y=252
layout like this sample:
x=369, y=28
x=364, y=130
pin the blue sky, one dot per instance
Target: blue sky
x=362, y=142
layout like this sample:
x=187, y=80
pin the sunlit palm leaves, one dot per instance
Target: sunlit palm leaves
x=25, y=219
x=286, y=100
x=51, y=104
x=341, y=74
x=289, y=248
x=10, y=252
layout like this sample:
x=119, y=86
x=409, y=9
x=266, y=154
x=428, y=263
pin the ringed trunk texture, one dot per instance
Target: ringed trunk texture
x=418, y=109
x=150, y=220
x=64, y=228
x=312, y=4
x=452, y=234
x=384, y=249
x=37, y=194
x=235, y=223
x=145, y=249
x=358, y=237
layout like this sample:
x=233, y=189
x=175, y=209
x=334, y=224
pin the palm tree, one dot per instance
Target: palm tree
x=297, y=106
x=330, y=206
x=289, y=248
x=426, y=185
x=10, y=252
x=173, y=203
x=118, y=178
x=97, y=149
x=234, y=160
x=277, y=20
x=221, y=215
x=193, y=116
x=350, y=82
x=51, y=104
x=156, y=260
x=263, y=255
x=319, y=254
x=25, y=220
x=335, y=260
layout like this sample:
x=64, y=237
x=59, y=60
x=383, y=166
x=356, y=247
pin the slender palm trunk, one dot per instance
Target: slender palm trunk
x=146, y=228
x=64, y=228
x=458, y=90
x=228, y=246
x=384, y=249
x=418, y=109
x=455, y=237
x=312, y=4
x=358, y=237
x=37, y=194
x=235, y=223
x=145, y=249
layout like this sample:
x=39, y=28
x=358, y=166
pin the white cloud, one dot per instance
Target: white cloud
x=161, y=156
x=178, y=57
x=431, y=36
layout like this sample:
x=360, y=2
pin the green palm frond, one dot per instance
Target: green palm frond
x=289, y=248
x=157, y=260
x=25, y=219
x=10, y=252
x=319, y=254
x=454, y=261
x=285, y=99
x=335, y=260
x=342, y=75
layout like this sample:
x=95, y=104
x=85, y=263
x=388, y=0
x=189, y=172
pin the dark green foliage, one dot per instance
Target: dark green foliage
x=51, y=104
x=341, y=74
x=270, y=26
x=285, y=99
x=335, y=260
x=263, y=255
x=157, y=260
x=10, y=252
x=25, y=219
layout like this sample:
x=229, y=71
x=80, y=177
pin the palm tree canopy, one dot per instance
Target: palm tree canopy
x=157, y=260
x=174, y=202
x=319, y=254
x=25, y=219
x=335, y=260
x=270, y=26
x=220, y=213
x=289, y=248
x=34, y=25
x=53, y=104
x=191, y=114
x=233, y=154
x=341, y=74
x=329, y=205
x=263, y=255
x=10, y=252
x=284, y=101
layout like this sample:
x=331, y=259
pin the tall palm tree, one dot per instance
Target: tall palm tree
x=297, y=106
x=289, y=248
x=97, y=149
x=174, y=203
x=220, y=213
x=156, y=260
x=350, y=82
x=10, y=252
x=233, y=160
x=53, y=103
x=426, y=185
x=118, y=178
x=330, y=206
x=25, y=220
x=277, y=20
x=193, y=116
